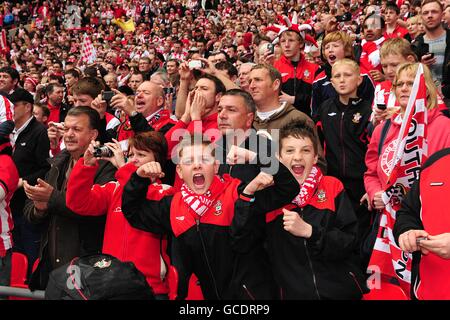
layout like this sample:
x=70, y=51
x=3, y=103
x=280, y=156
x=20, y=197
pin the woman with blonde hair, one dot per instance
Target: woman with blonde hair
x=414, y=26
x=382, y=145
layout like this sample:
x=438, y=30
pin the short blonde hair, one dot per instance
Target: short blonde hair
x=397, y=46
x=414, y=19
x=411, y=69
x=347, y=62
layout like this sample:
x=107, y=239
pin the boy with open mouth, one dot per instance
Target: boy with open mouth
x=208, y=218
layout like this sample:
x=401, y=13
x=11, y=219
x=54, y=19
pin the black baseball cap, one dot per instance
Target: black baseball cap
x=21, y=95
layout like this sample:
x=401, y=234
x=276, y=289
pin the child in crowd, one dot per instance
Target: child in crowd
x=344, y=123
x=336, y=46
x=207, y=218
x=311, y=241
x=146, y=250
x=393, y=53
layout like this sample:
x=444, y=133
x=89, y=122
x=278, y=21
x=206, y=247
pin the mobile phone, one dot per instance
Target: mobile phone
x=195, y=64
x=420, y=239
x=381, y=106
x=431, y=54
x=107, y=95
x=271, y=48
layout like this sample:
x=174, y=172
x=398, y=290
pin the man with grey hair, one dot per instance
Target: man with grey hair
x=111, y=80
x=244, y=72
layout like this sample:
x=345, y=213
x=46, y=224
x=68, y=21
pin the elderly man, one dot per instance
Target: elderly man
x=244, y=72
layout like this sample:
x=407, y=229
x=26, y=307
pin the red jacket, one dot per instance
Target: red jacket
x=9, y=178
x=297, y=80
x=434, y=280
x=125, y=131
x=422, y=209
x=120, y=240
x=399, y=32
x=207, y=126
x=376, y=176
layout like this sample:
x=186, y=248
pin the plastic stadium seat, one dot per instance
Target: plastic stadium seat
x=19, y=268
x=387, y=291
x=194, y=290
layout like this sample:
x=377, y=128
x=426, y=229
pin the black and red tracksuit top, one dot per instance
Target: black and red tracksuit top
x=297, y=79
x=425, y=208
x=322, y=89
x=344, y=131
x=206, y=245
x=323, y=266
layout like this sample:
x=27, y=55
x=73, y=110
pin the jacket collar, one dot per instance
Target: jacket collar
x=289, y=62
x=60, y=159
x=287, y=108
x=352, y=103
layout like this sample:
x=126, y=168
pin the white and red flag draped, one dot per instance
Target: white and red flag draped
x=88, y=52
x=410, y=153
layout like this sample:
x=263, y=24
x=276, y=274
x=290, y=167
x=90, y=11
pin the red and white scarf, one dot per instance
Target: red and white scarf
x=201, y=203
x=308, y=187
x=370, y=55
x=161, y=114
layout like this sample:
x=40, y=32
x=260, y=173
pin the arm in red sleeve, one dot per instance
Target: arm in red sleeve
x=84, y=197
x=371, y=181
x=173, y=137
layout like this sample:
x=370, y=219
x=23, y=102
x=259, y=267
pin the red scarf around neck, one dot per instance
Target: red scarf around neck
x=308, y=187
x=201, y=203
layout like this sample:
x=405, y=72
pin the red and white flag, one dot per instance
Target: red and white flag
x=88, y=52
x=3, y=42
x=410, y=154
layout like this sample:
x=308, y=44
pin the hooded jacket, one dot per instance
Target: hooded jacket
x=279, y=119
